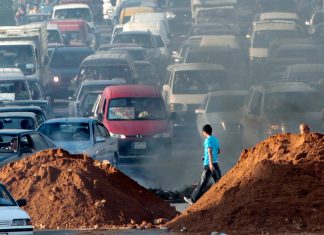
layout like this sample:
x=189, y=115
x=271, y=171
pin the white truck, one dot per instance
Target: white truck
x=25, y=47
x=197, y=5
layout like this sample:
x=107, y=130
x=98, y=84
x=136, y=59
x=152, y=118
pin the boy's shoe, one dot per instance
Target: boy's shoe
x=188, y=200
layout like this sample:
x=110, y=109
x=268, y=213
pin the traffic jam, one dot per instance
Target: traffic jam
x=156, y=89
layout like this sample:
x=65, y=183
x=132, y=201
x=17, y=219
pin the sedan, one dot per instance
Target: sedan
x=82, y=135
x=14, y=220
x=221, y=109
x=15, y=144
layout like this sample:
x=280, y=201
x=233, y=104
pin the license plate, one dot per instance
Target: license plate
x=140, y=145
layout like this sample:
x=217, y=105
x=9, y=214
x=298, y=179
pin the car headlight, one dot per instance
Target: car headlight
x=223, y=125
x=21, y=222
x=173, y=107
x=56, y=79
x=118, y=136
x=163, y=135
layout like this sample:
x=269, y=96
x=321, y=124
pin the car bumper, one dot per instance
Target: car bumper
x=17, y=231
x=143, y=146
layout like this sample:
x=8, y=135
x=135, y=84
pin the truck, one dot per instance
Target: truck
x=25, y=47
x=7, y=14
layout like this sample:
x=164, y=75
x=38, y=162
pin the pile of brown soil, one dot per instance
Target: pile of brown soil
x=276, y=187
x=74, y=191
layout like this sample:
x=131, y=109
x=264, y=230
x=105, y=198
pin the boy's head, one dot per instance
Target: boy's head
x=207, y=130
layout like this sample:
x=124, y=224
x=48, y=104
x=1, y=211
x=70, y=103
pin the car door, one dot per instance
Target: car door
x=39, y=142
x=105, y=147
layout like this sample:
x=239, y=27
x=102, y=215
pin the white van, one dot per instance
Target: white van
x=13, y=219
x=154, y=17
x=157, y=29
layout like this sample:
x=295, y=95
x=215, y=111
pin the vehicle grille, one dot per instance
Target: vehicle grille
x=5, y=223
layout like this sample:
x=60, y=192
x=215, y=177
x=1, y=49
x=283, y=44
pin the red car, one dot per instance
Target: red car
x=137, y=117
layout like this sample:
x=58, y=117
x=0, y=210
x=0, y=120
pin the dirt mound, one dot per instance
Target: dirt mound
x=74, y=191
x=276, y=187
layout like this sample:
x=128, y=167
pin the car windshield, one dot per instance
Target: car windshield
x=219, y=15
x=18, y=56
x=225, y=103
x=16, y=122
x=14, y=90
x=293, y=102
x=106, y=73
x=66, y=131
x=263, y=38
x=224, y=58
x=88, y=101
x=54, y=36
x=89, y=88
x=8, y=143
x=136, y=109
x=5, y=198
x=143, y=40
x=73, y=36
x=199, y=81
x=76, y=13
x=67, y=59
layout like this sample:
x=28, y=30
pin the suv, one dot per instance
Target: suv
x=279, y=107
x=187, y=86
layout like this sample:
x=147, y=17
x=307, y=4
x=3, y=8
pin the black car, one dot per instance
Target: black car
x=64, y=66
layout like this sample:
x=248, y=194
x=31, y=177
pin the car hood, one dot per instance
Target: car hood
x=142, y=127
x=74, y=147
x=258, y=52
x=8, y=213
x=188, y=99
x=66, y=72
x=228, y=117
x=7, y=157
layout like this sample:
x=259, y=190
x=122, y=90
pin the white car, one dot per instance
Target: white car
x=13, y=219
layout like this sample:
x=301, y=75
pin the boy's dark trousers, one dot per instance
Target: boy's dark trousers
x=205, y=177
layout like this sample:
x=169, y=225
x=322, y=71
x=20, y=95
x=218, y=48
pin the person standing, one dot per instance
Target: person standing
x=210, y=160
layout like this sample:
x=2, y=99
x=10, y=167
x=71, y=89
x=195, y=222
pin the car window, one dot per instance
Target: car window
x=104, y=132
x=5, y=197
x=26, y=144
x=38, y=142
x=256, y=103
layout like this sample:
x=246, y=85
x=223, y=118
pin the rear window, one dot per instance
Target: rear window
x=225, y=103
x=143, y=40
x=68, y=59
x=17, y=123
x=66, y=131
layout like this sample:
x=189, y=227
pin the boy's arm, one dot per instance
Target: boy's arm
x=210, y=155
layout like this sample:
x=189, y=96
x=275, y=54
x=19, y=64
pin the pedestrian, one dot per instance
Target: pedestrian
x=304, y=128
x=210, y=162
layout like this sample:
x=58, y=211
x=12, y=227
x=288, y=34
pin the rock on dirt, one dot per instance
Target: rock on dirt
x=74, y=191
x=276, y=187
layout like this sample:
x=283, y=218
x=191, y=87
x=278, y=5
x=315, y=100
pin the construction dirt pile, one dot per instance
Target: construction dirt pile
x=276, y=187
x=74, y=191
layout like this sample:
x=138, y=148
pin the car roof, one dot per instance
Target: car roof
x=114, y=81
x=69, y=120
x=194, y=66
x=281, y=87
x=125, y=91
x=15, y=131
x=104, y=58
x=18, y=114
x=215, y=40
x=278, y=14
x=300, y=68
x=70, y=6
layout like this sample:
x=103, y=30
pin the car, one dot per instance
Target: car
x=308, y=73
x=15, y=144
x=18, y=120
x=136, y=116
x=14, y=220
x=82, y=135
x=41, y=115
x=142, y=39
x=186, y=89
x=86, y=87
x=106, y=65
x=147, y=74
x=37, y=18
x=222, y=110
x=279, y=107
x=64, y=66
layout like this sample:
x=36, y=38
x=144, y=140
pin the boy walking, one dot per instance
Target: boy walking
x=211, y=168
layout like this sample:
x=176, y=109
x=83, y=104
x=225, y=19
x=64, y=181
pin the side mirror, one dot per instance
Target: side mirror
x=166, y=87
x=173, y=116
x=100, y=139
x=199, y=111
x=21, y=202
